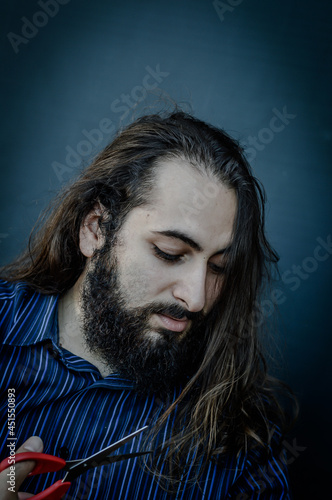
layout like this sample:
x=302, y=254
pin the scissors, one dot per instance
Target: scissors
x=73, y=468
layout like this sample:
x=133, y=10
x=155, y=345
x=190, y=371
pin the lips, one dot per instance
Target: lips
x=175, y=325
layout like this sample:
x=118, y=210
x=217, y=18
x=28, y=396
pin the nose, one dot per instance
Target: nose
x=190, y=288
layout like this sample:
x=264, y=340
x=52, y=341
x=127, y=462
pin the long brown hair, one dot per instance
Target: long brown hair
x=228, y=403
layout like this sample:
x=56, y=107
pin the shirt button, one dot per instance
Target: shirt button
x=53, y=352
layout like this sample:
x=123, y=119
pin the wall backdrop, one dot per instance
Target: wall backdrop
x=74, y=70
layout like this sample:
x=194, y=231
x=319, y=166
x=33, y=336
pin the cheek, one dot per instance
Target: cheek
x=139, y=284
x=214, y=289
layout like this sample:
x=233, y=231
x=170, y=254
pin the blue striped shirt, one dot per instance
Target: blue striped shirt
x=63, y=399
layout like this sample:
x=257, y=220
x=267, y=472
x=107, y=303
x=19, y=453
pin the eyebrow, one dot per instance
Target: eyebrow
x=189, y=241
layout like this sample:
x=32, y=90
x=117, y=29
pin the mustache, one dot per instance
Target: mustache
x=175, y=311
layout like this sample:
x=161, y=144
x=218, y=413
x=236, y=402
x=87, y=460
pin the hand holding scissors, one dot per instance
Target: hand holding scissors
x=73, y=468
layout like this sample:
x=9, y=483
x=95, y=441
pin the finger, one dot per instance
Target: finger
x=22, y=469
x=12, y=477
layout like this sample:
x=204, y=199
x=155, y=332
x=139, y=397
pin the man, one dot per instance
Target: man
x=136, y=305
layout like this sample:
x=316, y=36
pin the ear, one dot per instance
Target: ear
x=90, y=236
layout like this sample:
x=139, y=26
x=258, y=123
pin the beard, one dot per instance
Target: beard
x=156, y=360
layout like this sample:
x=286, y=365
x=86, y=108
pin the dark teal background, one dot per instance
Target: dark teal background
x=234, y=69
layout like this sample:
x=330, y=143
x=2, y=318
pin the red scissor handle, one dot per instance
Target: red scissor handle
x=54, y=492
x=44, y=463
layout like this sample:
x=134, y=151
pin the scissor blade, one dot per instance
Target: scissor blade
x=118, y=458
x=76, y=468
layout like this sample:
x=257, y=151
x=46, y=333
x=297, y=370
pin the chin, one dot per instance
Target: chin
x=154, y=336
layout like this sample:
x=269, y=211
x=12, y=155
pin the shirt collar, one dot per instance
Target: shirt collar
x=29, y=317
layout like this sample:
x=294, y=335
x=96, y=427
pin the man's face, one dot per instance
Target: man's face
x=146, y=303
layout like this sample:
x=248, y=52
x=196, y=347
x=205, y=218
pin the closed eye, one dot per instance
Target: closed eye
x=166, y=256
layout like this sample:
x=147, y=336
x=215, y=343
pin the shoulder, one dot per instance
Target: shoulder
x=10, y=294
x=22, y=309
x=270, y=468
x=12, y=298
x=263, y=473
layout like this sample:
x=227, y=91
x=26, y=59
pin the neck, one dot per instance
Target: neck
x=70, y=328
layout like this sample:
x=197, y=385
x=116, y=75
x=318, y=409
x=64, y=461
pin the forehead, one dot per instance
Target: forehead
x=187, y=199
